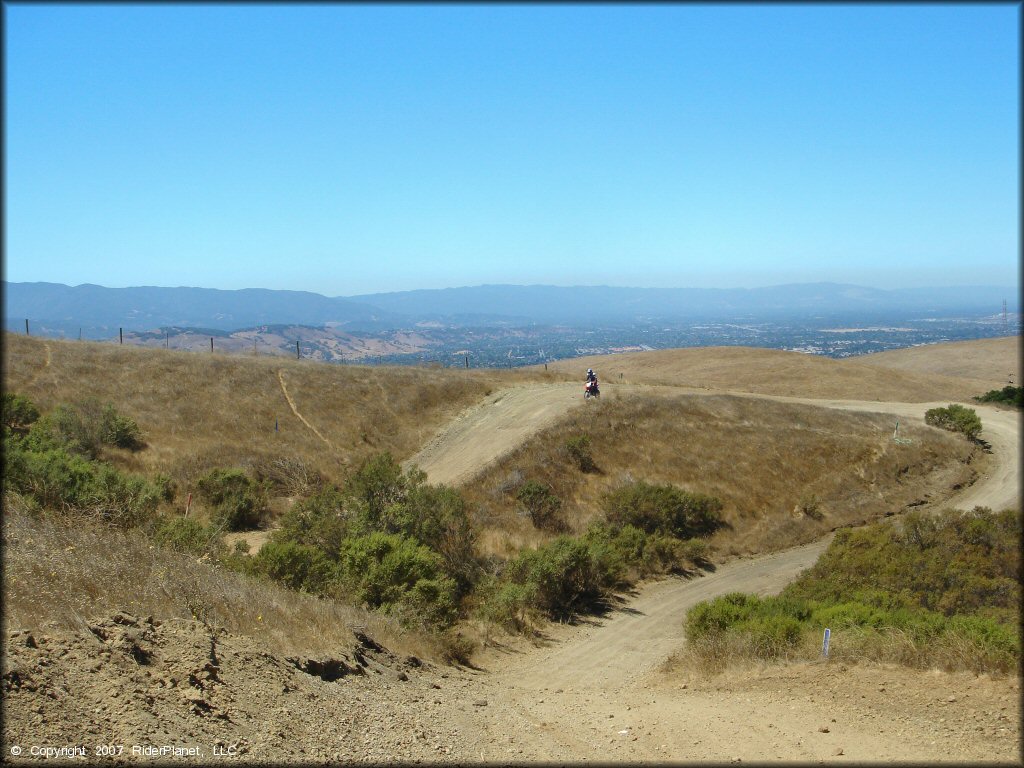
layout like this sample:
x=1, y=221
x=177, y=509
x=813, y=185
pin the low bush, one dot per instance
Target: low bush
x=68, y=482
x=239, y=503
x=85, y=429
x=1008, y=395
x=561, y=577
x=19, y=413
x=319, y=521
x=955, y=418
x=399, y=576
x=185, y=534
x=297, y=566
x=931, y=591
x=663, y=509
x=541, y=505
x=578, y=448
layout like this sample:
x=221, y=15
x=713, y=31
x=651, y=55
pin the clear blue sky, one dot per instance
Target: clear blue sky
x=348, y=149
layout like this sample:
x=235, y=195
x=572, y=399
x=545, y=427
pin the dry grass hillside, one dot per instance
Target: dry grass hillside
x=786, y=473
x=200, y=411
x=775, y=372
x=985, y=363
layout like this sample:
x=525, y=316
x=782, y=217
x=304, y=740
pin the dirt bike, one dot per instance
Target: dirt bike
x=590, y=390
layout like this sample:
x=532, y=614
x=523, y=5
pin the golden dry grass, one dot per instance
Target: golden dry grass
x=984, y=363
x=65, y=573
x=199, y=411
x=776, y=372
x=777, y=467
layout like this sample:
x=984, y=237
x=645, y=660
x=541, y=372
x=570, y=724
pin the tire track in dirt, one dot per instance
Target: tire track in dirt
x=483, y=433
x=291, y=404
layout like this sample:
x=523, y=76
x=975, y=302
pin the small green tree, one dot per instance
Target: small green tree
x=955, y=418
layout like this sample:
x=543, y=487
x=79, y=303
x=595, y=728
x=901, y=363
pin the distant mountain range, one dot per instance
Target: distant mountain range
x=98, y=311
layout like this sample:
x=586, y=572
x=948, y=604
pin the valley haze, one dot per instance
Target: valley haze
x=511, y=325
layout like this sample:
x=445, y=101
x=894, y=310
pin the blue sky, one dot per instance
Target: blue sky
x=348, y=149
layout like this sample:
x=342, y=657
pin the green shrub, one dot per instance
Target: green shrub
x=1008, y=395
x=297, y=566
x=662, y=509
x=118, y=430
x=84, y=428
x=542, y=505
x=319, y=521
x=929, y=591
x=562, y=577
x=578, y=448
x=239, y=503
x=19, y=413
x=68, y=482
x=955, y=418
x=185, y=534
x=378, y=489
x=506, y=603
x=399, y=576
x=437, y=517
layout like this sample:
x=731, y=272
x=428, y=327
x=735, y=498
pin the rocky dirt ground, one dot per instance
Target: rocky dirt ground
x=135, y=686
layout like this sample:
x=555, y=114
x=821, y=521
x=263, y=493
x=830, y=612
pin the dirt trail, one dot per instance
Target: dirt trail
x=291, y=404
x=483, y=433
x=598, y=692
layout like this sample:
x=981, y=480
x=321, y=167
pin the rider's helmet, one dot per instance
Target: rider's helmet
x=590, y=371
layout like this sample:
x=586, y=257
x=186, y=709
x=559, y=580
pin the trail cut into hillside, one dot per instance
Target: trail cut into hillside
x=483, y=432
x=506, y=419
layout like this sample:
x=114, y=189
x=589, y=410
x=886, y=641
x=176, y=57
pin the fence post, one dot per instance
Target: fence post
x=297, y=351
x=211, y=343
x=120, y=335
x=26, y=326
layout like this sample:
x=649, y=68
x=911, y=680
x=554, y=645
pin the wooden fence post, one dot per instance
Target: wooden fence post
x=120, y=335
x=211, y=343
x=297, y=351
x=26, y=326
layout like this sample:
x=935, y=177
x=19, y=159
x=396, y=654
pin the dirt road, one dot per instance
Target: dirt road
x=598, y=690
x=482, y=433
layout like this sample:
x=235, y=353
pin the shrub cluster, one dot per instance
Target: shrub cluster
x=19, y=413
x=930, y=591
x=239, y=502
x=386, y=540
x=578, y=448
x=541, y=505
x=84, y=429
x=53, y=463
x=642, y=534
x=1008, y=395
x=663, y=509
x=955, y=418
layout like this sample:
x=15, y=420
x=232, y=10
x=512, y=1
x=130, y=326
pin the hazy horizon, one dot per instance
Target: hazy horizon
x=350, y=150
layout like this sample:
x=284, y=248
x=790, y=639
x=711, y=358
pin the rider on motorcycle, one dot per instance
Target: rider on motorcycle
x=591, y=376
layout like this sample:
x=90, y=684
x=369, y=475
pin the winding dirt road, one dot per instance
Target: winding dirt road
x=598, y=692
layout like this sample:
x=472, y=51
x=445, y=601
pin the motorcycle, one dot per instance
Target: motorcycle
x=590, y=390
